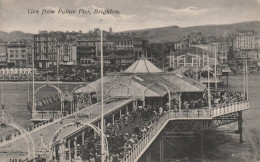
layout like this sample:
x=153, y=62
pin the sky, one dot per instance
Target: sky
x=134, y=14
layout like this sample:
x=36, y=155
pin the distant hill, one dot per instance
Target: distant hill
x=175, y=33
x=165, y=34
x=4, y=36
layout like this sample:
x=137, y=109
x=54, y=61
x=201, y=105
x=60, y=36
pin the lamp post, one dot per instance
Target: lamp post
x=102, y=94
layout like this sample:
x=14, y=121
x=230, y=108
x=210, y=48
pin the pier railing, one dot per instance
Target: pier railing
x=211, y=79
x=155, y=130
x=138, y=149
x=57, y=118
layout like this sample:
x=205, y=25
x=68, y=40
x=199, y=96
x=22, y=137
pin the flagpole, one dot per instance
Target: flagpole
x=215, y=51
x=3, y=106
x=244, y=77
x=102, y=95
x=28, y=81
x=246, y=80
x=209, y=101
x=33, y=106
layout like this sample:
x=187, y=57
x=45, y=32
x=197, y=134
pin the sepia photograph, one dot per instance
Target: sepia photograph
x=129, y=80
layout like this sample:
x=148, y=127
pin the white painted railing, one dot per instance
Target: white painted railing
x=46, y=123
x=152, y=133
x=211, y=79
x=195, y=113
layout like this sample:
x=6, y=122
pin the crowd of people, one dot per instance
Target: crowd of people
x=130, y=128
x=123, y=134
x=83, y=100
x=217, y=96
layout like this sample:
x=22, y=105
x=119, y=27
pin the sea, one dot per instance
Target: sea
x=15, y=95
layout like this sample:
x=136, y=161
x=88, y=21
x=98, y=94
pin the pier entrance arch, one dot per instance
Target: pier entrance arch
x=62, y=145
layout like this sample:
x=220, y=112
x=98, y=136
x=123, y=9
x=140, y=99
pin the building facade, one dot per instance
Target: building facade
x=118, y=49
x=221, y=49
x=245, y=40
x=67, y=54
x=246, y=45
x=3, y=54
x=17, y=53
x=45, y=50
x=182, y=44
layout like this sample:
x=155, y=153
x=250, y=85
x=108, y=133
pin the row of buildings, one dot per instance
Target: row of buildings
x=51, y=49
x=84, y=49
x=16, y=54
x=192, y=51
x=71, y=48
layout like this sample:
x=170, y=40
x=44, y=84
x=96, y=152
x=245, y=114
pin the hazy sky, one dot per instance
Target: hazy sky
x=134, y=14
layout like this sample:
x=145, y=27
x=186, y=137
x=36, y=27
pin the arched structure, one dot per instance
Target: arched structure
x=7, y=120
x=96, y=129
x=188, y=60
x=169, y=93
x=215, y=77
x=120, y=84
x=59, y=91
x=76, y=104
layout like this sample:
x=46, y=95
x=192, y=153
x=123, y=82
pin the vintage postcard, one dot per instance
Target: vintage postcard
x=129, y=81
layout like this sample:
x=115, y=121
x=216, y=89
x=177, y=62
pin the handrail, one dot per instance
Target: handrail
x=211, y=78
x=6, y=139
x=146, y=138
x=195, y=113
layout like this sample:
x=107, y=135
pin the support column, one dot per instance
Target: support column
x=240, y=123
x=54, y=152
x=113, y=119
x=120, y=113
x=62, y=152
x=203, y=63
x=180, y=102
x=75, y=148
x=161, y=150
x=126, y=108
x=83, y=137
x=71, y=107
x=201, y=147
x=227, y=79
x=95, y=134
x=69, y=149
x=105, y=124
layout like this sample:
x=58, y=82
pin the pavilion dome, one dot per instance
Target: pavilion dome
x=143, y=66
